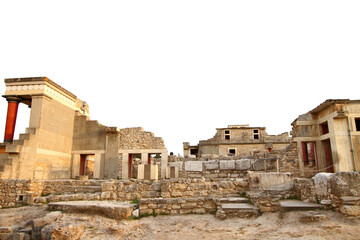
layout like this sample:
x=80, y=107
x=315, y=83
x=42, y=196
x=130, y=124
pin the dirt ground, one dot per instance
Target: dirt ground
x=266, y=226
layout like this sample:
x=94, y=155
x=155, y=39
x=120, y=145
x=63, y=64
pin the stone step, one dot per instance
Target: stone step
x=110, y=209
x=243, y=210
x=297, y=205
x=5, y=161
x=83, y=189
x=238, y=206
x=234, y=200
x=24, y=136
x=30, y=130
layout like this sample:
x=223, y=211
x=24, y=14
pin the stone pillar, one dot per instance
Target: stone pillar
x=13, y=104
x=144, y=158
x=111, y=152
x=164, y=164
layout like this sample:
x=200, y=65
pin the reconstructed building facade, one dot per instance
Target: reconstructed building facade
x=328, y=137
x=238, y=140
x=62, y=142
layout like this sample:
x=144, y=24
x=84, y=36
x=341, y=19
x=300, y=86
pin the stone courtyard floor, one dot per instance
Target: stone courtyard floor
x=289, y=225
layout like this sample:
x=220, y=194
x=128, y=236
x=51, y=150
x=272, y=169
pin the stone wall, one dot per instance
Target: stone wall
x=215, y=168
x=174, y=188
x=165, y=206
x=137, y=138
x=340, y=191
x=15, y=193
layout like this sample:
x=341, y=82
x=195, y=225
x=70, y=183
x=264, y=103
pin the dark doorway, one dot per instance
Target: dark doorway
x=133, y=159
x=87, y=165
x=328, y=156
x=82, y=165
x=194, y=152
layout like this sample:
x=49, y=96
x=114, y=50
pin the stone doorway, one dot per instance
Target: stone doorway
x=87, y=165
x=328, y=156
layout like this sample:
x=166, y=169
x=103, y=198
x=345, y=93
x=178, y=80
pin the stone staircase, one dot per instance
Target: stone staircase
x=12, y=154
x=235, y=206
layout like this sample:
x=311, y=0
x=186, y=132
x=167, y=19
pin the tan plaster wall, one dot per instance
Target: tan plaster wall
x=88, y=135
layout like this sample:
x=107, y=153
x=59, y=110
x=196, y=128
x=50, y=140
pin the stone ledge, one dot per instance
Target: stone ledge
x=111, y=209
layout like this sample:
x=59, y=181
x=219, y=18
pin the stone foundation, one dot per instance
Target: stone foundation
x=337, y=191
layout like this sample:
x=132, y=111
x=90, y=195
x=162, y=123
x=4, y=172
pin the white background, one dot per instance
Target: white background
x=183, y=68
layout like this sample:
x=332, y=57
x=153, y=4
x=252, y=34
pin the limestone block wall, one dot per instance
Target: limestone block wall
x=165, y=206
x=137, y=138
x=18, y=192
x=174, y=188
x=221, y=167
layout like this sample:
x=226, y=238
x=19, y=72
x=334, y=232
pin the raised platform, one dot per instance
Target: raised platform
x=111, y=209
x=293, y=205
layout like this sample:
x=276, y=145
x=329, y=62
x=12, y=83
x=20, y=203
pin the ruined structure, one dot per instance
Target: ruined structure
x=61, y=141
x=328, y=137
x=238, y=140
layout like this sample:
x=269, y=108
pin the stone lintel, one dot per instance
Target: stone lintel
x=112, y=130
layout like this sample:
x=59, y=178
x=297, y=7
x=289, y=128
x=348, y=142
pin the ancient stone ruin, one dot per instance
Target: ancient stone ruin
x=73, y=164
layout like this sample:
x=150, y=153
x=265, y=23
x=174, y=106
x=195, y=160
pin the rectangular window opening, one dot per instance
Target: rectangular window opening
x=357, y=124
x=227, y=137
x=324, y=128
x=232, y=151
x=227, y=132
x=256, y=131
x=256, y=136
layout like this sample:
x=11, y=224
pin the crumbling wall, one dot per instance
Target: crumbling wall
x=18, y=192
x=137, y=138
x=174, y=188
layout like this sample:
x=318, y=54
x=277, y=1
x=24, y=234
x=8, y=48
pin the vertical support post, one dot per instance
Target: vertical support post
x=265, y=165
x=13, y=104
x=277, y=165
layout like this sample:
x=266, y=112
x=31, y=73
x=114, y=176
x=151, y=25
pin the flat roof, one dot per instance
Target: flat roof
x=38, y=79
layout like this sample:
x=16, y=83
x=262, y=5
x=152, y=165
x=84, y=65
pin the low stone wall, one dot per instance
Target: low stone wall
x=339, y=191
x=221, y=168
x=14, y=192
x=69, y=186
x=165, y=206
x=174, y=188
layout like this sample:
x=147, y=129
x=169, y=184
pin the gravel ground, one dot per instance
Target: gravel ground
x=266, y=226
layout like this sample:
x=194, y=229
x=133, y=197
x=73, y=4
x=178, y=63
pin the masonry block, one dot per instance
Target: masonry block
x=211, y=165
x=243, y=164
x=227, y=164
x=193, y=166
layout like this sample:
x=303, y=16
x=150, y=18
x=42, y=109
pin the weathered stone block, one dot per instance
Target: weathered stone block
x=345, y=184
x=227, y=164
x=193, y=166
x=146, y=211
x=351, y=210
x=199, y=211
x=243, y=164
x=321, y=183
x=211, y=164
x=176, y=206
x=270, y=181
x=107, y=186
x=188, y=205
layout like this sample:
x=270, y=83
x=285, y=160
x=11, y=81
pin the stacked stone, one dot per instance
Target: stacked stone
x=69, y=186
x=14, y=192
x=196, y=205
x=137, y=138
x=175, y=188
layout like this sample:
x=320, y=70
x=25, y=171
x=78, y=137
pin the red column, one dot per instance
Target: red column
x=13, y=104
